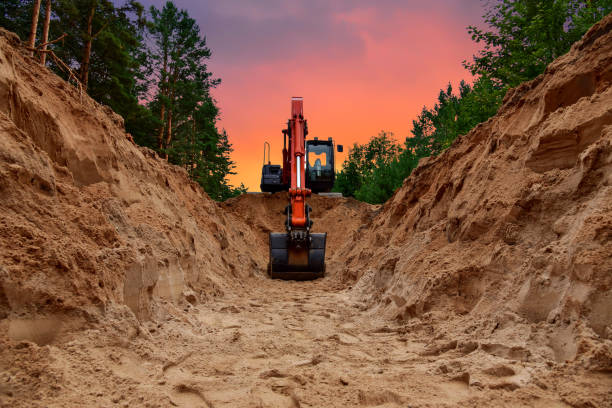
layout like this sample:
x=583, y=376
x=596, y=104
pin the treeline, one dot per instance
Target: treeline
x=522, y=38
x=149, y=66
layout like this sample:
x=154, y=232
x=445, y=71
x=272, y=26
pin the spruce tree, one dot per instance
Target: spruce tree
x=186, y=133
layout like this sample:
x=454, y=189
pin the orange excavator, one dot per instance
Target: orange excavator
x=298, y=253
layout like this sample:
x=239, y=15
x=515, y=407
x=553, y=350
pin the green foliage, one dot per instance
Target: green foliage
x=211, y=171
x=349, y=179
x=118, y=66
x=524, y=37
x=16, y=16
x=373, y=171
x=186, y=129
x=366, y=166
x=454, y=114
x=140, y=67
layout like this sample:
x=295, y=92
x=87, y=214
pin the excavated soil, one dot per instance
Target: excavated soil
x=486, y=280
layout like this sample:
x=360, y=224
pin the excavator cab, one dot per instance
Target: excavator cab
x=320, y=170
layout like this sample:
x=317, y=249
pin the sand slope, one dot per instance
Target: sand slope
x=513, y=223
x=90, y=219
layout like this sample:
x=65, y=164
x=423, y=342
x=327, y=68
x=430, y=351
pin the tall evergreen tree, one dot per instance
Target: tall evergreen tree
x=45, y=32
x=105, y=44
x=180, y=56
x=187, y=134
x=159, y=84
x=34, y=24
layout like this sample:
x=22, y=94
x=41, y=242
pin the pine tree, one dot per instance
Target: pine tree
x=187, y=134
x=183, y=79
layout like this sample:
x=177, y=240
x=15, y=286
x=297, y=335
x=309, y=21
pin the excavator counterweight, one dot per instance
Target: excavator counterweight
x=297, y=253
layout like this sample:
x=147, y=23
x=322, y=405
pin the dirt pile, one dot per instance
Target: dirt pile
x=89, y=219
x=338, y=216
x=509, y=231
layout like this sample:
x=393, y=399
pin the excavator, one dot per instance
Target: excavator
x=298, y=253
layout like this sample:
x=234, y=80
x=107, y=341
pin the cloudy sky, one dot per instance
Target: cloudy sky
x=361, y=66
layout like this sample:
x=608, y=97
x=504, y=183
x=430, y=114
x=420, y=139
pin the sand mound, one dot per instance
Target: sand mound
x=512, y=225
x=88, y=218
x=340, y=217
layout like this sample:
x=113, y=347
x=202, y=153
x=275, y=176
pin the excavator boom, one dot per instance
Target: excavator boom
x=297, y=253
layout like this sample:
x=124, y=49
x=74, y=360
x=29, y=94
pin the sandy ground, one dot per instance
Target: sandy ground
x=301, y=344
x=286, y=344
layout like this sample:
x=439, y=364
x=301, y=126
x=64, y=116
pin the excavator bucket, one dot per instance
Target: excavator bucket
x=289, y=260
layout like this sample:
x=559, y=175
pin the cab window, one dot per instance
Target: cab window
x=317, y=156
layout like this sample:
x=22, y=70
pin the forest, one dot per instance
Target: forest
x=522, y=37
x=149, y=66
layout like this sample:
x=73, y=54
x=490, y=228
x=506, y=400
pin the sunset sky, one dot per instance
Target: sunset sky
x=361, y=66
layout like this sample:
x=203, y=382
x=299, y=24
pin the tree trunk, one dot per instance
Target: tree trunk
x=162, y=112
x=160, y=138
x=45, y=38
x=87, y=49
x=172, y=94
x=192, y=162
x=34, y=26
x=169, y=131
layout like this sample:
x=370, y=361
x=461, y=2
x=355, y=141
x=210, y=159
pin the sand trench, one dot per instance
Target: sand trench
x=484, y=281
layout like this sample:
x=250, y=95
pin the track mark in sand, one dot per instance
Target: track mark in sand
x=275, y=397
x=184, y=395
x=274, y=373
x=175, y=363
x=439, y=348
x=503, y=351
x=344, y=338
x=230, y=309
x=315, y=360
x=500, y=370
x=384, y=330
x=375, y=398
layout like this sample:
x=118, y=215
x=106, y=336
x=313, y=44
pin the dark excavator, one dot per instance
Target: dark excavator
x=307, y=166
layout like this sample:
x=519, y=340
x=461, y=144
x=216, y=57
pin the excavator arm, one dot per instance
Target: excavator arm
x=297, y=253
x=297, y=192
